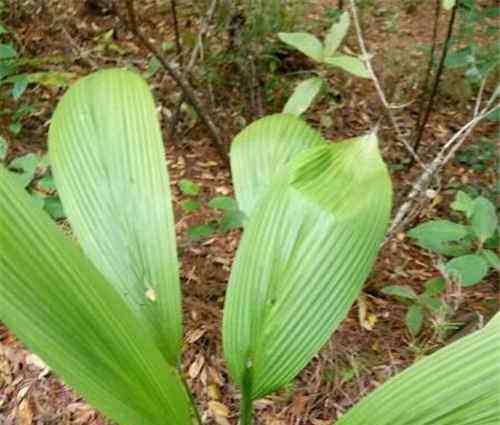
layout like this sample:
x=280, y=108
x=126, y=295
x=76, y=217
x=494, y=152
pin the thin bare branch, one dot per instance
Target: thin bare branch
x=180, y=81
x=383, y=99
x=437, y=80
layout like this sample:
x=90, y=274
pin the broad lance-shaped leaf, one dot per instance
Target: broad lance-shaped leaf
x=108, y=161
x=305, y=253
x=303, y=96
x=304, y=42
x=457, y=385
x=336, y=34
x=350, y=64
x=262, y=149
x=55, y=300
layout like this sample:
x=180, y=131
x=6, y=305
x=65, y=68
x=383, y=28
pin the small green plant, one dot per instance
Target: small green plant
x=478, y=156
x=472, y=246
x=33, y=173
x=104, y=309
x=228, y=215
x=326, y=54
x=477, y=22
x=419, y=304
x=18, y=72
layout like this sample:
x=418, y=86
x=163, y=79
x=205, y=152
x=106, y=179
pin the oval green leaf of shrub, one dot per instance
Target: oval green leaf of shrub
x=438, y=231
x=304, y=42
x=457, y=385
x=303, y=96
x=262, y=149
x=351, y=64
x=484, y=219
x=107, y=157
x=467, y=269
x=305, y=253
x=55, y=300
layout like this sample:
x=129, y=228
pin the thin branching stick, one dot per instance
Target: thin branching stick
x=437, y=80
x=406, y=212
x=192, y=60
x=383, y=99
x=177, y=35
x=430, y=65
x=179, y=80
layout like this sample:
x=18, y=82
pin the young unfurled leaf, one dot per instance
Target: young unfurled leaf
x=304, y=42
x=303, y=96
x=261, y=150
x=351, y=64
x=400, y=291
x=336, y=34
x=468, y=269
x=303, y=259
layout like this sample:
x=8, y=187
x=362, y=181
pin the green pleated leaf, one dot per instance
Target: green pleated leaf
x=336, y=34
x=303, y=96
x=484, y=220
x=108, y=161
x=457, y=385
x=304, y=42
x=55, y=300
x=351, y=64
x=305, y=253
x=262, y=149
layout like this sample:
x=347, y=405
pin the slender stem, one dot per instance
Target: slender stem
x=430, y=64
x=437, y=79
x=177, y=36
x=383, y=99
x=246, y=409
x=186, y=89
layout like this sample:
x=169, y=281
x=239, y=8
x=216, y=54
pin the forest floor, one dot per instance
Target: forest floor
x=373, y=343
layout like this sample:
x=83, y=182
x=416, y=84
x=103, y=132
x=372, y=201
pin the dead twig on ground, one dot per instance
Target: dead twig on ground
x=185, y=87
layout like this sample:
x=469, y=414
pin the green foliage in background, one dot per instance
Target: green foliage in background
x=227, y=212
x=473, y=245
x=419, y=304
x=33, y=173
x=326, y=54
x=17, y=73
